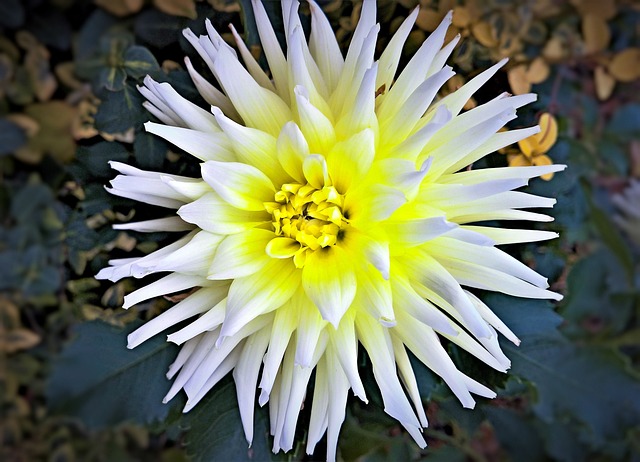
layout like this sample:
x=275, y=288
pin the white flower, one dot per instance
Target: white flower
x=334, y=210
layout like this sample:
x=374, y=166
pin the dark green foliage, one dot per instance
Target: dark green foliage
x=214, y=429
x=71, y=390
x=97, y=379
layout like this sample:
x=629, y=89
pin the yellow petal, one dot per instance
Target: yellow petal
x=240, y=255
x=350, y=160
x=282, y=247
x=241, y=185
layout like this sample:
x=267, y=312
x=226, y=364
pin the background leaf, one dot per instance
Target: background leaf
x=100, y=381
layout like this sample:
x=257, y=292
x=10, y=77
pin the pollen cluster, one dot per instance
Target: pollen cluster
x=305, y=219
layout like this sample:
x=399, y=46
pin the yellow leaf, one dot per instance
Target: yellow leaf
x=518, y=81
x=518, y=161
x=625, y=66
x=17, y=339
x=9, y=314
x=528, y=146
x=186, y=8
x=605, y=9
x=548, y=133
x=596, y=33
x=428, y=19
x=461, y=17
x=538, y=70
x=554, y=50
x=604, y=83
x=484, y=33
x=543, y=160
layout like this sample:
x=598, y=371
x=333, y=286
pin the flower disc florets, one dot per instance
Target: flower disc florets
x=305, y=219
x=334, y=211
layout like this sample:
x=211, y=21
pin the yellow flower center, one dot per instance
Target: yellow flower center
x=311, y=217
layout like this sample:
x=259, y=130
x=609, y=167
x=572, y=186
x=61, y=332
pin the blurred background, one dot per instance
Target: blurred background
x=69, y=389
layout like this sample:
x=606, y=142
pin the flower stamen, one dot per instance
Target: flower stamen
x=305, y=219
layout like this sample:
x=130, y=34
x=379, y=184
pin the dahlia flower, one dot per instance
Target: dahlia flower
x=334, y=210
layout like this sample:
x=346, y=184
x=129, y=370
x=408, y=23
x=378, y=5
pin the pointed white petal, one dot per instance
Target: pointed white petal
x=203, y=145
x=329, y=279
x=215, y=215
x=240, y=255
x=169, y=224
x=167, y=285
x=196, y=303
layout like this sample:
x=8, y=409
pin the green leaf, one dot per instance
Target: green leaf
x=150, y=150
x=593, y=282
x=97, y=379
x=159, y=29
x=610, y=235
x=516, y=434
x=592, y=385
x=215, y=429
x=138, y=62
x=95, y=159
x=120, y=110
x=11, y=137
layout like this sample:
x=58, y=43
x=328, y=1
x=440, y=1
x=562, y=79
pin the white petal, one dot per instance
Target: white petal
x=245, y=376
x=167, y=285
x=193, y=258
x=211, y=94
x=215, y=215
x=398, y=127
x=273, y=52
x=259, y=108
x=377, y=342
x=250, y=62
x=344, y=344
x=324, y=47
x=414, y=72
x=203, y=145
x=455, y=101
x=350, y=160
x=409, y=378
x=410, y=233
x=169, y=224
x=388, y=63
x=259, y=293
x=284, y=324
x=241, y=185
x=240, y=255
x=329, y=280
x=253, y=147
x=196, y=303
x=438, y=285
x=207, y=322
x=292, y=150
